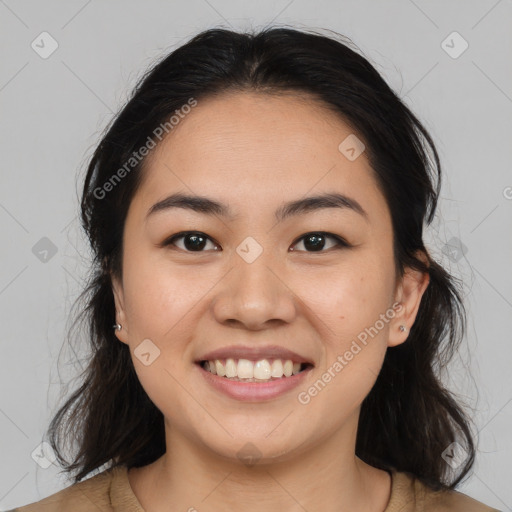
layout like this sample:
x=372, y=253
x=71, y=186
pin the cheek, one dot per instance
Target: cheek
x=351, y=297
x=158, y=296
x=354, y=345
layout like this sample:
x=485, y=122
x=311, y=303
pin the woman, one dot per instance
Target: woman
x=256, y=214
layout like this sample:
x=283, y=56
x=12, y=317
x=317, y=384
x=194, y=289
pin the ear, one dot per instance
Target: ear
x=409, y=291
x=117, y=289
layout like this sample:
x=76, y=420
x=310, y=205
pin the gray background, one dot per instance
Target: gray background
x=52, y=113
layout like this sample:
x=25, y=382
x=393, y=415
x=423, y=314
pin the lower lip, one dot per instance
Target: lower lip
x=254, y=391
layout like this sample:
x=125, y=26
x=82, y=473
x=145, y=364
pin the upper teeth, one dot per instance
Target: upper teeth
x=246, y=369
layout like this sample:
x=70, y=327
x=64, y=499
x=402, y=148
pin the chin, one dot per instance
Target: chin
x=251, y=450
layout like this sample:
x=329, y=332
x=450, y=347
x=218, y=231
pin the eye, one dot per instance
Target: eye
x=316, y=241
x=193, y=241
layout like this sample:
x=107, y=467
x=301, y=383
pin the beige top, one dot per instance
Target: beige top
x=110, y=491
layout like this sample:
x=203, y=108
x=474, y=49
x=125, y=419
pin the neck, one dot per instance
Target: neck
x=326, y=476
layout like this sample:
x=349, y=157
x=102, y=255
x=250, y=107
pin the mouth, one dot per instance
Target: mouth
x=254, y=373
x=271, y=378
x=254, y=370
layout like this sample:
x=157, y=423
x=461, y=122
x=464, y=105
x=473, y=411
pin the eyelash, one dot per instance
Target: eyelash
x=340, y=242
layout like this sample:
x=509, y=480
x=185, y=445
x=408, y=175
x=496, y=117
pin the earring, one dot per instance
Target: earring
x=118, y=327
x=402, y=328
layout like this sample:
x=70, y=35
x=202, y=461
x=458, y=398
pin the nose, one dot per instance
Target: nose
x=254, y=296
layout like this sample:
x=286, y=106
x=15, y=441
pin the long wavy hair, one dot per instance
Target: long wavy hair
x=409, y=418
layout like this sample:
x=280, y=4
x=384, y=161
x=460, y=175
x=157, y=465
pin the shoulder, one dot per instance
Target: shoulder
x=410, y=495
x=84, y=496
x=453, y=500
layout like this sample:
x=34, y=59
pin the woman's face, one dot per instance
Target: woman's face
x=252, y=285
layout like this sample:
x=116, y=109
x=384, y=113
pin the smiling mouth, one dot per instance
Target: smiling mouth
x=262, y=370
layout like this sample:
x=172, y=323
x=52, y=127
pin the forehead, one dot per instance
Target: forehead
x=245, y=147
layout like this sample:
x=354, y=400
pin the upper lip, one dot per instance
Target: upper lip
x=255, y=353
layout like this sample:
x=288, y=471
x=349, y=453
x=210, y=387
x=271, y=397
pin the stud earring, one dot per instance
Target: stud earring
x=117, y=327
x=402, y=328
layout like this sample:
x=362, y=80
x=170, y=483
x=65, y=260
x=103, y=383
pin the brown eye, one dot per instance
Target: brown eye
x=316, y=242
x=193, y=241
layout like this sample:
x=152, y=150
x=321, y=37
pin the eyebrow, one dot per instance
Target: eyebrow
x=205, y=205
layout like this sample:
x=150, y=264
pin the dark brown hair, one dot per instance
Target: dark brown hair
x=409, y=418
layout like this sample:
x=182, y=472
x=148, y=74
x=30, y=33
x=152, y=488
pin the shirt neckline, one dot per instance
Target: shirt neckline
x=123, y=499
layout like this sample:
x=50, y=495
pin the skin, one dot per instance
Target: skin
x=254, y=152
